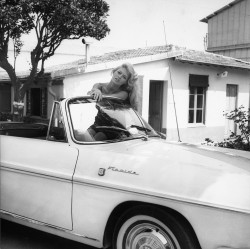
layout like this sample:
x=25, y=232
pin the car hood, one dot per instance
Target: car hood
x=181, y=172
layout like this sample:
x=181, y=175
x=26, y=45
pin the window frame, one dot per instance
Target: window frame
x=195, y=108
x=60, y=122
x=88, y=100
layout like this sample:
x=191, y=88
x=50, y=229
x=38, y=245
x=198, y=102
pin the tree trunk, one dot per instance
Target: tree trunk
x=18, y=104
x=19, y=89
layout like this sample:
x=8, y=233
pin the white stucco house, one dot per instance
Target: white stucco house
x=184, y=93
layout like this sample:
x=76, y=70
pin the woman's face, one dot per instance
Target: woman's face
x=120, y=76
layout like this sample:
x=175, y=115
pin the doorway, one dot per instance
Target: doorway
x=156, y=104
x=231, y=104
x=35, y=99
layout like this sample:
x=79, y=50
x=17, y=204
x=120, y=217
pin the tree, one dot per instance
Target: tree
x=53, y=22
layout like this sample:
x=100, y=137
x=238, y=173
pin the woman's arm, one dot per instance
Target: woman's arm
x=122, y=95
x=96, y=91
x=98, y=86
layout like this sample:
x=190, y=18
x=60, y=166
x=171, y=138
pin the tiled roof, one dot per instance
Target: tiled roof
x=128, y=54
x=182, y=54
x=206, y=58
x=176, y=53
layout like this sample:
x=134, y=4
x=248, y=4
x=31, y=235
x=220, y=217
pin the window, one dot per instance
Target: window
x=5, y=97
x=196, y=105
x=197, y=98
x=36, y=99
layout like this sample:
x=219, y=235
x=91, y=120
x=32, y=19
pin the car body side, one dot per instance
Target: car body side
x=74, y=188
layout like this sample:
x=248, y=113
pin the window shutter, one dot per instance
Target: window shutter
x=198, y=80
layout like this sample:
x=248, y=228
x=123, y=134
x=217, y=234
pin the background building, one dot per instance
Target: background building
x=183, y=93
x=229, y=30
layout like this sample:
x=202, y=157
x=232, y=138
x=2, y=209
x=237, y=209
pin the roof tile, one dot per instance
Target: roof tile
x=186, y=55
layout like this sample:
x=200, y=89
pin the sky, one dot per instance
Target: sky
x=141, y=23
x=138, y=24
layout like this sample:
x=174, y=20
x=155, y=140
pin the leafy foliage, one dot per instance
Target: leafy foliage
x=240, y=140
x=6, y=116
x=14, y=21
x=53, y=21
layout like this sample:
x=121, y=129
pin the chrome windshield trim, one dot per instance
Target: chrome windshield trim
x=70, y=125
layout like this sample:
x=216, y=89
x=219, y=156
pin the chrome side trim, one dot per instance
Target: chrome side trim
x=30, y=171
x=12, y=217
x=226, y=247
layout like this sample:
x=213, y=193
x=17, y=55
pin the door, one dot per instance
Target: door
x=36, y=177
x=5, y=97
x=155, y=104
x=231, y=104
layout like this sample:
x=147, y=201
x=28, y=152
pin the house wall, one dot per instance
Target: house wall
x=178, y=99
x=214, y=126
x=82, y=83
x=229, y=31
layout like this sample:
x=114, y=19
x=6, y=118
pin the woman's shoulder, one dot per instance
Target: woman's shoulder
x=103, y=87
x=100, y=86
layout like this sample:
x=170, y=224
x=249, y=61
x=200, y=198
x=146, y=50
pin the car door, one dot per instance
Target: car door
x=36, y=175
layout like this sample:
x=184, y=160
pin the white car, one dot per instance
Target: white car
x=100, y=175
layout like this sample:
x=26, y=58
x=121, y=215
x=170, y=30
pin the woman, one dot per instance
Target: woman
x=122, y=85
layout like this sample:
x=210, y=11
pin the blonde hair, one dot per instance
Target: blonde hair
x=131, y=85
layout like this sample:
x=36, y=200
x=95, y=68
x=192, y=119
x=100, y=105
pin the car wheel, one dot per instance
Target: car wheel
x=152, y=230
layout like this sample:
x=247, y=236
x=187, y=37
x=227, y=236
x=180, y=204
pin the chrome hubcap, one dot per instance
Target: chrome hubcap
x=147, y=236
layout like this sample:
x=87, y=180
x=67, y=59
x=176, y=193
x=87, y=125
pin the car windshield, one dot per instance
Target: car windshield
x=107, y=120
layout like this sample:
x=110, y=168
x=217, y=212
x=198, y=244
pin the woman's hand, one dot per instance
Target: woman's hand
x=96, y=93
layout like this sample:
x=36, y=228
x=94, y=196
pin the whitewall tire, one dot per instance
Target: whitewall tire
x=140, y=229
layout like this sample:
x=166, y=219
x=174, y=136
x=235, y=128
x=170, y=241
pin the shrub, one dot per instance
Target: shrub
x=240, y=140
x=6, y=116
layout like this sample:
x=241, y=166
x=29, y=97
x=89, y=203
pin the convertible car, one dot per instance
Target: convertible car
x=100, y=175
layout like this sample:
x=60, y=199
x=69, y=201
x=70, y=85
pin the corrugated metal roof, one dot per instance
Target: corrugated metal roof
x=220, y=10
